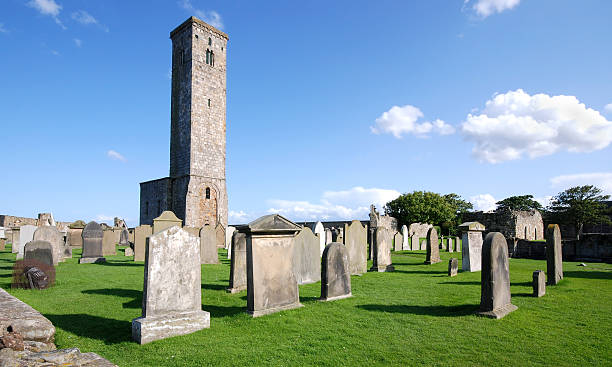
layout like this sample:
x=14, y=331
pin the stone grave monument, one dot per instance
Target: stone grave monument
x=92, y=244
x=319, y=230
x=54, y=237
x=453, y=267
x=381, y=262
x=539, y=283
x=166, y=220
x=140, y=236
x=306, y=257
x=208, y=245
x=335, y=273
x=433, y=251
x=26, y=234
x=355, y=240
x=108, y=243
x=238, y=264
x=554, y=254
x=471, y=245
x=41, y=251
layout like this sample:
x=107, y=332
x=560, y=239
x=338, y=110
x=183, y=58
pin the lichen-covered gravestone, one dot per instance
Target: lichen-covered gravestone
x=495, y=298
x=554, y=255
x=238, y=266
x=41, y=251
x=472, y=245
x=54, y=237
x=433, y=251
x=335, y=273
x=208, y=245
x=453, y=267
x=355, y=240
x=172, y=293
x=381, y=262
x=92, y=244
x=539, y=283
x=26, y=234
x=306, y=257
x=271, y=284
x=140, y=236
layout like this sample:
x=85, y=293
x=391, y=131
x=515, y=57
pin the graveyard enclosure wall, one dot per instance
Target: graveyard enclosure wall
x=591, y=247
x=511, y=223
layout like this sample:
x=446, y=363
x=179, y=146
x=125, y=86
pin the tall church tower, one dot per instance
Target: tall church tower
x=196, y=189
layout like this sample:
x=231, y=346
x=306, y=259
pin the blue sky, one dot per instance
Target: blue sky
x=331, y=105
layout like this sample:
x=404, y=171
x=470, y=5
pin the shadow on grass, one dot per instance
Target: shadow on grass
x=110, y=331
x=6, y=267
x=136, y=302
x=588, y=274
x=6, y=275
x=420, y=272
x=221, y=311
x=461, y=283
x=122, y=263
x=530, y=295
x=309, y=299
x=441, y=311
x=214, y=287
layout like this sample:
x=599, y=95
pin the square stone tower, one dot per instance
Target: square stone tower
x=196, y=189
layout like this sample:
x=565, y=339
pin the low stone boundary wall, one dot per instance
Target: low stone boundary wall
x=594, y=247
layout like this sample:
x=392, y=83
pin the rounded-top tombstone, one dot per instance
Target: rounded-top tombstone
x=54, y=237
x=41, y=251
x=433, y=251
x=335, y=273
x=92, y=243
x=495, y=298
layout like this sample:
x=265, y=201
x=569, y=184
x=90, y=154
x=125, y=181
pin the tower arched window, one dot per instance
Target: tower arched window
x=209, y=41
x=207, y=57
x=212, y=58
x=208, y=192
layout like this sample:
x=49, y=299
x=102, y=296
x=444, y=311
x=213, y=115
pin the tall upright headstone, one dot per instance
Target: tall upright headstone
x=15, y=234
x=92, y=244
x=208, y=246
x=433, y=251
x=26, y=234
x=414, y=242
x=41, y=251
x=172, y=292
x=271, y=284
x=166, y=220
x=124, y=236
x=398, y=242
x=140, y=237
x=53, y=236
x=355, y=240
x=320, y=231
x=471, y=243
x=457, y=244
x=328, y=236
x=539, y=283
x=228, y=237
x=405, y=241
x=381, y=262
x=220, y=235
x=238, y=264
x=450, y=246
x=453, y=267
x=306, y=258
x=554, y=254
x=109, y=245
x=335, y=273
x=495, y=297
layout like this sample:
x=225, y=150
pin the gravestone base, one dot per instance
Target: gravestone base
x=267, y=311
x=498, y=313
x=92, y=260
x=336, y=297
x=236, y=289
x=432, y=261
x=148, y=329
x=383, y=269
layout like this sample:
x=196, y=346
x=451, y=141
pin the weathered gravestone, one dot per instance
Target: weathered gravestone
x=172, y=292
x=124, y=236
x=381, y=262
x=92, y=244
x=405, y=241
x=194, y=231
x=495, y=298
x=356, y=244
x=238, y=264
x=319, y=230
x=42, y=251
x=424, y=244
x=453, y=267
x=15, y=240
x=443, y=243
x=554, y=258
x=450, y=245
x=398, y=241
x=414, y=242
x=75, y=235
x=166, y=220
x=328, y=236
x=109, y=243
x=433, y=251
x=457, y=244
x=228, y=237
x=53, y=236
x=208, y=245
x=140, y=237
x=271, y=284
x=26, y=234
x=220, y=235
x=472, y=245
x=306, y=258
x=539, y=283
x=335, y=273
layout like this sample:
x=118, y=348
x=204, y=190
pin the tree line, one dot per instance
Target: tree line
x=575, y=206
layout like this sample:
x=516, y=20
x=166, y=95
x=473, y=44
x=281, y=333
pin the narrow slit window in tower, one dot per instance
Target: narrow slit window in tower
x=208, y=192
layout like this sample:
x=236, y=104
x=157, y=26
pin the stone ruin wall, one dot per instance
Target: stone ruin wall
x=512, y=224
x=420, y=229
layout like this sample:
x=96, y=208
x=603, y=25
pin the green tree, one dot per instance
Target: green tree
x=579, y=205
x=421, y=206
x=521, y=202
x=460, y=207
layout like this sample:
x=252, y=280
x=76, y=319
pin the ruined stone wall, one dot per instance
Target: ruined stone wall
x=9, y=221
x=526, y=225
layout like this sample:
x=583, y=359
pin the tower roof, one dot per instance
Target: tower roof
x=192, y=20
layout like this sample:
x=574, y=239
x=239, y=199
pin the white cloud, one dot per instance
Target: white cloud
x=516, y=124
x=603, y=180
x=104, y=218
x=85, y=18
x=78, y=42
x=343, y=205
x=238, y=216
x=403, y=120
x=607, y=107
x=211, y=17
x=483, y=202
x=115, y=155
x=48, y=7
x=2, y=29
x=484, y=8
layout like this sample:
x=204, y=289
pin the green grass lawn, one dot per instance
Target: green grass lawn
x=416, y=315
